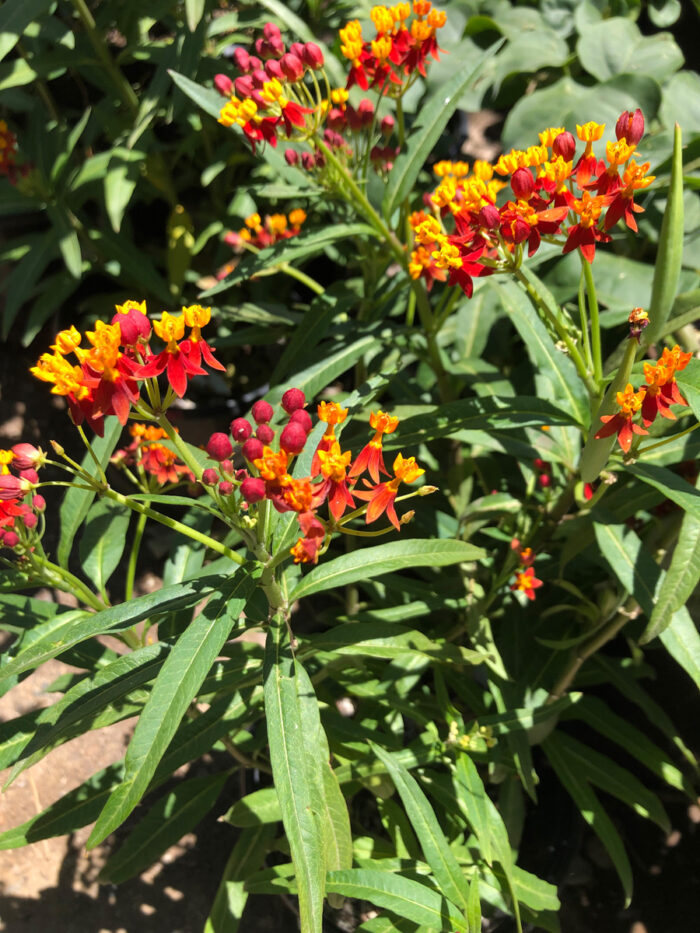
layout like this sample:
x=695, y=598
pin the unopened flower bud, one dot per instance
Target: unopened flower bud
x=252, y=449
x=58, y=448
x=630, y=126
x=225, y=487
x=297, y=48
x=241, y=475
x=262, y=412
x=545, y=480
x=255, y=64
x=241, y=59
x=226, y=467
x=365, y=111
x=387, y=125
x=427, y=490
x=219, y=446
x=264, y=433
x=292, y=66
x=223, y=84
x=274, y=69
x=292, y=400
x=407, y=517
x=293, y=438
x=271, y=31
x=564, y=145
x=260, y=78
x=10, y=539
x=312, y=55
x=291, y=156
x=241, y=429
x=489, y=217
x=133, y=326
x=522, y=183
x=30, y=520
x=30, y=475
x=13, y=487
x=39, y=503
x=638, y=320
x=210, y=477
x=320, y=159
x=303, y=418
x=244, y=86
x=253, y=489
x=308, y=161
x=26, y=456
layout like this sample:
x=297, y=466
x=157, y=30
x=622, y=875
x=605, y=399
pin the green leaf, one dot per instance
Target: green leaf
x=134, y=265
x=63, y=157
x=76, y=503
x=103, y=540
x=372, y=562
x=389, y=640
x=68, y=242
x=436, y=849
x=22, y=279
x=474, y=907
x=470, y=414
x=122, y=174
x=255, y=809
x=406, y=898
x=167, y=821
x=669, y=255
x=207, y=98
x=15, y=16
x=194, y=12
x=290, y=768
x=299, y=247
x=435, y=114
x=176, y=685
x=616, y=46
x=246, y=857
x=567, y=770
x=671, y=485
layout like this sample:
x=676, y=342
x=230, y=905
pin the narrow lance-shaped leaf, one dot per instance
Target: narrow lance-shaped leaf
x=174, y=689
x=670, y=251
x=246, y=857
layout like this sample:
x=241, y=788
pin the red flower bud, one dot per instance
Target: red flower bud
x=303, y=418
x=241, y=475
x=271, y=31
x=252, y=449
x=26, y=456
x=274, y=69
x=522, y=183
x=388, y=123
x=223, y=84
x=225, y=488
x=260, y=78
x=489, y=217
x=308, y=161
x=540, y=464
x=312, y=55
x=255, y=64
x=30, y=520
x=10, y=539
x=241, y=429
x=365, y=111
x=39, y=503
x=564, y=145
x=544, y=480
x=291, y=156
x=253, y=489
x=226, y=467
x=320, y=159
x=219, y=447
x=244, y=86
x=210, y=477
x=630, y=126
x=262, y=412
x=13, y=487
x=297, y=48
x=293, y=438
x=241, y=59
x=292, y=66
x=132, y=325
x=292, y=400
x=264, y=433
x=30, y=475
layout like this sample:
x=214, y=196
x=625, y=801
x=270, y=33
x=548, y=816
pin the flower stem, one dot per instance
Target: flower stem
x=595, y=320
x=133, y=557
x=126, y=92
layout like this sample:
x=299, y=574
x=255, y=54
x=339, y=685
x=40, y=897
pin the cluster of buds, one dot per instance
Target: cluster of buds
x=105, y=380
x=266, y=98
x=332, y=478
x=544, y=472
x=525, y=580
x=152, y=459
x=19, y=507
x=655, y=398
x=400, y=48
x=8, y=153
x=258, y=233
x=466, y=234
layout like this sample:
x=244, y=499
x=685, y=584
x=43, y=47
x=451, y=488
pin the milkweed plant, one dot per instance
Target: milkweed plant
x=463, y=499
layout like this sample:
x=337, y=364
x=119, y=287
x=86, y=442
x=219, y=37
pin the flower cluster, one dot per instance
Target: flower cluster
x=105, y=379
x=555, y=191
x=8, y=152
x=525, y=580
x=333, y=474
x=19, y=507
x=400, y=48
x=151, y=458
x=655, y=398
x=258, y=233
x=266, y=98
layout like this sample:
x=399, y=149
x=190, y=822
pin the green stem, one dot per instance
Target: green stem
x=133, y=557
x=584, y=322
x=126, y=92
x=64, y=580
x=595, y=320
x=100, y=471
x=292, y=272
x=668, y=440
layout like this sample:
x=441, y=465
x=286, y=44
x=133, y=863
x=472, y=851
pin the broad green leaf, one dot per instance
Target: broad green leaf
x=246, y=857
x=673, y=486
x=255, y=809
x=567, y=770
x=372, y=562
x=550, y=362
x=301, y=813
x=669, y=255
x=194, y=11
x=76, y=503
x=487, y=414
x=120, y=179
x=167, y=821
x=681, y=577
x=436, y=849
x=404, y=897
x=103, y=540
x=682, y=641
x=474, y=907
x=616, y=46
x=175, y=687
x=68, y=242
x=311, y=331
x=15, y=16
x=435, y=114
x=207, y=98
x=388, y=640
x=298, y=247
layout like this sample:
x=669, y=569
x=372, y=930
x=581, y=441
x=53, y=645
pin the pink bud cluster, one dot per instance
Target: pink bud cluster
x=18, y=512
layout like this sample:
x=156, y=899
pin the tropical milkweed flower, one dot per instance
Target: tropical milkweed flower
x=629, y=403
x=526, y=582
x=381, y=499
